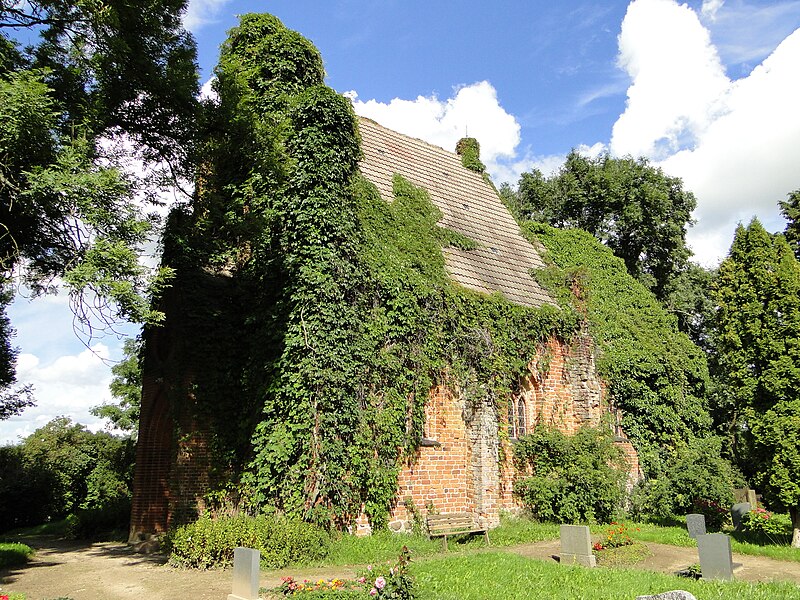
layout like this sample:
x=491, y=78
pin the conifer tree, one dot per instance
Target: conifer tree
x=758, y=342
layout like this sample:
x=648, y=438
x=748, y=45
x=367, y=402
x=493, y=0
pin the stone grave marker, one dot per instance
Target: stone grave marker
x=738, y=511
x=741, y=495
x=716, y=560
x=245, y=574
x=576, y=546
x=673, y=595
x=696, y=524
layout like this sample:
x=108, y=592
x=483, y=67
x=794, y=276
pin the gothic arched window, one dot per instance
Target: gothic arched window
x=516, y=418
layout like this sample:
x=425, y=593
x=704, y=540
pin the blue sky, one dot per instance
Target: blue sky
x=707, y=90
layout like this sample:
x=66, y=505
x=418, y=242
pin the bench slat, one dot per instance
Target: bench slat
x=454, y=524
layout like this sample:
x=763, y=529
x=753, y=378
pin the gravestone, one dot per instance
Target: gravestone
x=696, y=525
x=673, y=595
x=245, y=574
x=576, y=546
x=738, y=511
x=716, y=560
x=741, y=495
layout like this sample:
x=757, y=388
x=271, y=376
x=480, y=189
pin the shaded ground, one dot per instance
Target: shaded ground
x=111, y=571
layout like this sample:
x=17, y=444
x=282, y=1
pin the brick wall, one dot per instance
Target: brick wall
x=466, y=463
x=154, y=455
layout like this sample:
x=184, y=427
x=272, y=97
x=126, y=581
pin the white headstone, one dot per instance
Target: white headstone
x=576, y=546
x=245, y=574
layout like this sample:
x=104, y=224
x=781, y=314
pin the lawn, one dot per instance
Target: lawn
x=741, y=543
x=380, y=547
x=508, y=576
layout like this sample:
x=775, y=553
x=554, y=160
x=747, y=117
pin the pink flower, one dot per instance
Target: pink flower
x=380, y=583
x=362, y=580
x=373, y=592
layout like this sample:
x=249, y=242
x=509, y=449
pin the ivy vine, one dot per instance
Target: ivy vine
x=333, y=310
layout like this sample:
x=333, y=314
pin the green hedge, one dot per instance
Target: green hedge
x=210, y=542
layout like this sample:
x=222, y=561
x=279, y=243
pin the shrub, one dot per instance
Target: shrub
x=94, y=523
x=716, y=515
x=573, y=479
x=13, y=553
x=763, y=524
x=690, y=478
x=210, y=542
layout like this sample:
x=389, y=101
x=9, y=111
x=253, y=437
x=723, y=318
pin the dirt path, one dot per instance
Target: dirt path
x=111, y=571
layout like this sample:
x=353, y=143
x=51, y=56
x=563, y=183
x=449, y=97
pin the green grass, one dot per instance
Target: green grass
x=508, y=576
x=13, y=554
x=58, y=528
x=678, y=536
x=383, y=546
x=623, y=556
x=378, y=548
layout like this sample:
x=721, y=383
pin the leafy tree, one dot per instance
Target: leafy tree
x=629, y=205
x=12, y=402
x=790, y=209
x=126, y=387
x=758, y=344
x=689, y=298
x=100, y=75
x=62, y=468
x=691, y=474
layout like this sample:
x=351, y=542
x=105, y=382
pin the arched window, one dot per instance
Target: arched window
x=516, y=418
x=520, y=418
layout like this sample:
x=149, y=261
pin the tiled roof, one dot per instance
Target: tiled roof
x=469, y=205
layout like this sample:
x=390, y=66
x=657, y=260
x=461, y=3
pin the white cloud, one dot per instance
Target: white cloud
x=201, y=12
x=69, y=385
x=207, y=91
x=473, y=110
x=746, y=161
x=678, y=82
x=734, y=143
x=710, y=8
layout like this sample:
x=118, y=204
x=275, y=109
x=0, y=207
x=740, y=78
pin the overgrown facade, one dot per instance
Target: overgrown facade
x=354, y=334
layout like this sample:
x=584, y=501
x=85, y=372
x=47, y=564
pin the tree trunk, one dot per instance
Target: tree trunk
x=794, y=513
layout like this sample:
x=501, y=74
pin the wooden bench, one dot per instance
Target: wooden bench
x=454, y=524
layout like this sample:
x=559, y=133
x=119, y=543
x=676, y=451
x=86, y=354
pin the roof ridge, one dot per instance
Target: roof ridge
x=415, y=139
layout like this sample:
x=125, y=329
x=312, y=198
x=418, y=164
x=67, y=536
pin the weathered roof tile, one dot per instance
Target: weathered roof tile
x=469, y=205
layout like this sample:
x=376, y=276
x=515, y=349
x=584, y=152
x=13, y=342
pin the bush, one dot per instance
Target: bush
x=210, y=542
x=13, y=554
x=573, y=479
x=764, y=525
x=61, y=468
x=691, y=478
x=95, y=523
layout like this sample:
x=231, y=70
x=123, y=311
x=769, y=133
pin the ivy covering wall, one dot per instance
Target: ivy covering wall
x=654, y=373
x=309, y=318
